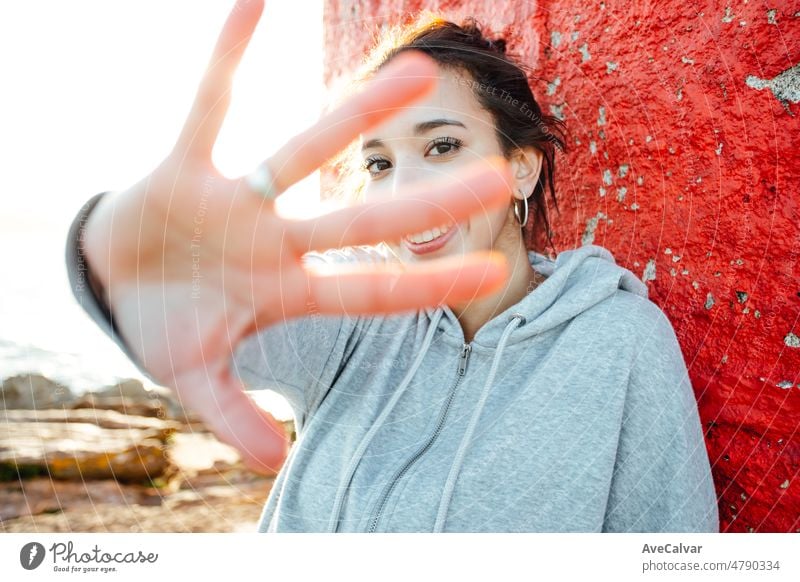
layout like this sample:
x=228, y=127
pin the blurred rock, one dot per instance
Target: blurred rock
x=43, y=495
x=226, y=501
x=33, y=392
x=201, y=452
x=82, y=451
x=131, y=397
x=102, y=418
x=121, y=458
x=147, y=408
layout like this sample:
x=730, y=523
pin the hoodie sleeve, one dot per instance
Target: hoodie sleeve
x=297, y=358
x=86, y=289
x=662, y=476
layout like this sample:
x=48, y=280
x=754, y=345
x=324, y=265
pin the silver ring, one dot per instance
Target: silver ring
x=261, y=182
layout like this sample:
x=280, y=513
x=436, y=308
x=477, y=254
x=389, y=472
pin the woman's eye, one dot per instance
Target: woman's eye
x=375, y=165
x=444, y=145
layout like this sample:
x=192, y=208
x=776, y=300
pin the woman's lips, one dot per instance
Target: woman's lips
x=421, y=248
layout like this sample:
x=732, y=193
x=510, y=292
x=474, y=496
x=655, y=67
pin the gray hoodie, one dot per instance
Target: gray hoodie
x=571, y=411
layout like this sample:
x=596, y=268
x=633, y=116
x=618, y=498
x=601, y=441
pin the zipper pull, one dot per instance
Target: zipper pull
x=462, y=363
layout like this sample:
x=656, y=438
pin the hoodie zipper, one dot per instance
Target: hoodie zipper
x=462, y=369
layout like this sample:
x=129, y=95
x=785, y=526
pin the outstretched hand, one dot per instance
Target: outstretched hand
x=193, y=262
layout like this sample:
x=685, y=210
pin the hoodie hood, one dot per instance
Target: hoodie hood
x=576, y=280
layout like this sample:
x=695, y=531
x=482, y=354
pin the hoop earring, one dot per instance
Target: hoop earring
x=522, y=222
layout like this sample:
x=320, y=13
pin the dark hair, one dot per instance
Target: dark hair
x=500, y=84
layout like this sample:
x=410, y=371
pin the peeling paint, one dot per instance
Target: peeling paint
x=602, y=191
x=621, y=193
x=593, y=147
x=611, y=67
x=649, y=273
x=771, y=16
x=709, y=301
x=623, y=170
x=551, y=87
x=601, y=115
x=719, y=149
x=785, y=484
x=727, y=17
x=558, y=110
x=634, y=206
x=741, y=296
x=584, y=50
x=574, y=36
x=607, y=177
x=555, y=38
x=591, y=226
x=687, y=61
x=792, y=340
x=784, y=384
x=640, y=180
x=785, y=86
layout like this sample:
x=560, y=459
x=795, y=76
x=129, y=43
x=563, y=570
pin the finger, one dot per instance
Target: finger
x=211, y=391
x=485, y=184
x=406, y=78
x=213, y=96
x=367, y=289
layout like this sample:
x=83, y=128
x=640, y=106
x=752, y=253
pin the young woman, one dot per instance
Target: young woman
x=434, y=387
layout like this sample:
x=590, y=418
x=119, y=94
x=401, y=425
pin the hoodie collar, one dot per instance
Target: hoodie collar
x=575, y=281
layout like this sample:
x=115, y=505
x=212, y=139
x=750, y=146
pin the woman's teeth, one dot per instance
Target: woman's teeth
x=429, y=235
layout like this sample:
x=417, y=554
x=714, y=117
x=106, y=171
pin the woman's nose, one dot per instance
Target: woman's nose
x=409, y=174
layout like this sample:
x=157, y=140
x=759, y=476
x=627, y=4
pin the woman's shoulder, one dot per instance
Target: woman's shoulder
x=627, y=314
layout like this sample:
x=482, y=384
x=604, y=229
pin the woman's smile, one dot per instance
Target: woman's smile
x=430, y=240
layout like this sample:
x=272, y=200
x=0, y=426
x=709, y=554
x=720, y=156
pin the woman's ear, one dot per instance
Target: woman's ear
x=526, y=165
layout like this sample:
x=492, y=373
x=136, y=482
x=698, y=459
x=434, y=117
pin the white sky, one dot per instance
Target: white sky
x=94, y=94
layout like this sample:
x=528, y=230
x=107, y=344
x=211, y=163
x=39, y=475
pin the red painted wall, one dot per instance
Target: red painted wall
x=683, y=161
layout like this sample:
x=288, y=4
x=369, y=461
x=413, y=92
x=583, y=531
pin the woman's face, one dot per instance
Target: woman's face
x=437, y=136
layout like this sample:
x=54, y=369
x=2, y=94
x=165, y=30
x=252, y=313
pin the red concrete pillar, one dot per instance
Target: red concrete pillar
x=683, y=161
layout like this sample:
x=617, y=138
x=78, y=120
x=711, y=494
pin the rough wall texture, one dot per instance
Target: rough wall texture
x=683, y=161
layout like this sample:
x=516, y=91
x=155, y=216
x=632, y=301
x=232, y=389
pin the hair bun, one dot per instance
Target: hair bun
x=473, y=30
x=498, y=44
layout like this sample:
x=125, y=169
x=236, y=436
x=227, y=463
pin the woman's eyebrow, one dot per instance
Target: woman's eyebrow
x=434, y=123
x=419, y=128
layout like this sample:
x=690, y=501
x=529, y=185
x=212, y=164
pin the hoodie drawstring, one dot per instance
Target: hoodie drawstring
x=362, y=447
x=455, y=469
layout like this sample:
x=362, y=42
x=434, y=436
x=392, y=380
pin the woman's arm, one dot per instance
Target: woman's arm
x=662, y=478
x=86, y=287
